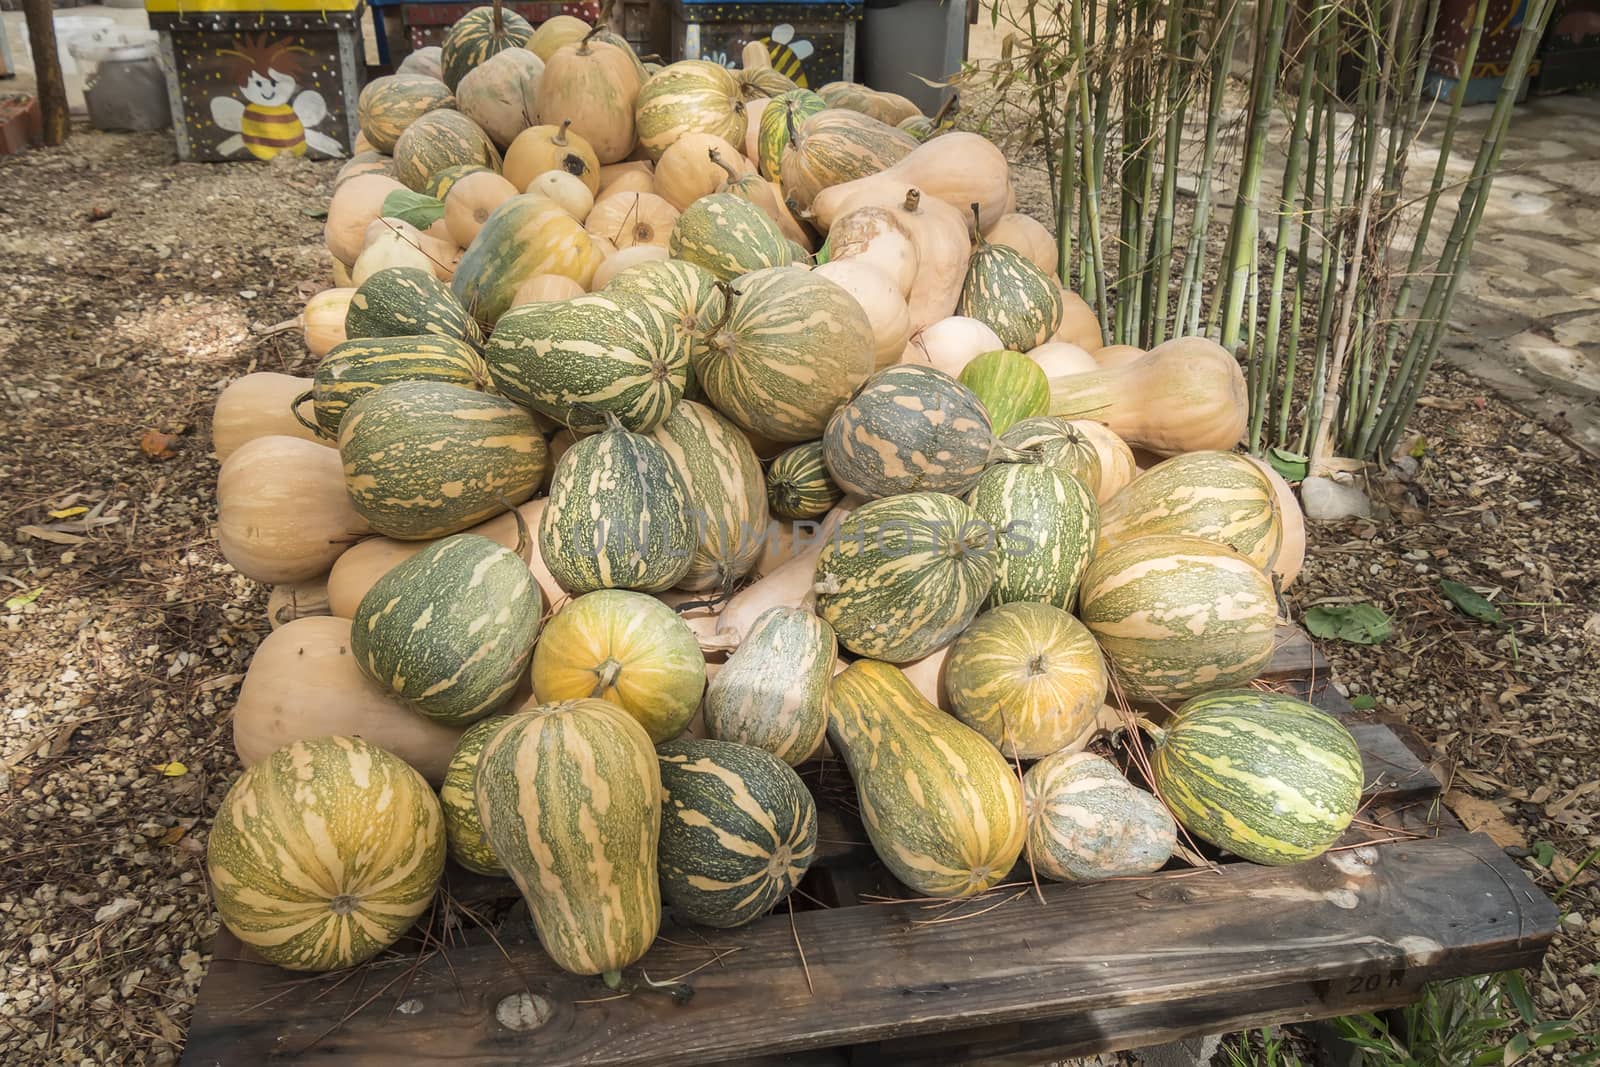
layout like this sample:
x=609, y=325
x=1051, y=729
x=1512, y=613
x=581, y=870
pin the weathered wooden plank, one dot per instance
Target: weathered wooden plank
x=1113, y=954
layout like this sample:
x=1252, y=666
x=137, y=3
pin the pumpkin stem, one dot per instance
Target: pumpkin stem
x=727, y=307
x=788, y=121
x=499, y=19
x=1006, y=454
x=561, y=135
x=612, y=979
x=977, y=224
x=583, y=45
x=913, y=200
x=716, y=157
x=606, y=676
x=524, y=540
x=316, y=428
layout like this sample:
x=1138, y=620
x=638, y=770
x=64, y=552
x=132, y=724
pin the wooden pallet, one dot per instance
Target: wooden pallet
x=1005, y=979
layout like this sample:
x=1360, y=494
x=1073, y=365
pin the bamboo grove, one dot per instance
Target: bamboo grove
x=1241, y=170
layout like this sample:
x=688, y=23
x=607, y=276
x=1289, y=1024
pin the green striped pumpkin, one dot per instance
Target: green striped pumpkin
x=688, y=296
x=570, y=796
x=463, y=829
x=727, y=494
x=728, y=236
x=779, y=122
x=1029, y=677
x=526, y=235
x=590, y=358
x=910, y=428
x=438, y=140
x=1220, y=496
x=794, y=347
x=1047, y=524
x=1178, y=616
x=477, y=35
x=352, y=369
x=426, y=459
x=1264, y=775
x=618, y=516
x=883, y=106
x=439, y=185
x=942, y=807
x=405, y=302
x=628, y=649
x=690, y=96
x=1010, y=385
x=773, y=691
x=1060, y=445
x=451, y=629
x=835, y=146
x=1005, y=291
x=1087, y=822
x=738, y=830
x=799, y=485
x=903, y=576
x=324, y=853
x=389, y=104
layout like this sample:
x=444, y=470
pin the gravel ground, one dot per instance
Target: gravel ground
x=135, y=290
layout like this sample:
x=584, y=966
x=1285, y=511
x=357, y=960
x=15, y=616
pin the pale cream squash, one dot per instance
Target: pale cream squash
x=260, y=405
x=881, y=300
x=282, y=511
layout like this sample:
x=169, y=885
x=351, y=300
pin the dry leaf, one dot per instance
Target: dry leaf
x=175, y=834
x=221, y=681
x=1556, y=807
x=69, y=513
x=1485, y=816
x=44, y=533
x=1541, y=795
x=171, y=769
x=158, y=445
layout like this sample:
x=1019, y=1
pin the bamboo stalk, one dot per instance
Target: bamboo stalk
x=1159, y=261
x=1328, y=239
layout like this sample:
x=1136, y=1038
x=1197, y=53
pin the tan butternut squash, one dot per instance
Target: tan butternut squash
x=943, y=246
x=282, y=511
x=874, y=235
x=687, y=170
x=1292, y=552
x=542, y=288
x=322, y=321
x=1186, y=395
x=259, y=405
x=566, y=190
x=1117, y=355
x=951, y=343
x=1059, y=357
x=628, y=219
x=355, y=204
x=960, y=169
x=1079, y=325
x=879, y=297
x=303, y=682
x=1117, y=464
x=594, y=85
x=634, y=176
x=297, y=600
x=470, y=202
x=541, y=148
x=357, y=570
x=1027, y=235
x=620, y=261
x=341, y=275
x=556, y=32
x=752, y=132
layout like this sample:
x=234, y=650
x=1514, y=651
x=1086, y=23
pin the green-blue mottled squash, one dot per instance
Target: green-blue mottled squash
x=1220, y=496
x=352, y=369
x=799, y=485
x=1048, y=525
x=728, y=236
x=1013, y=297
x=773, y=691
x=727, y=494
x=1086, y=821
x=404, y=302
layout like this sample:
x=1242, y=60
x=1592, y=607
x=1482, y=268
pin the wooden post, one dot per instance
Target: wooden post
x=47, y=70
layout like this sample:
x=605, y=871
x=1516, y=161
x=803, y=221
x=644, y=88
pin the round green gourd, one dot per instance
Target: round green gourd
x=799, y=485
x=439, y=140
x=404, y=302
x=628, y=649
x=778, y=122
x=738, y=830
x=427, y=459
x=1059, y=444
x=728, y=236
x=463, y=829
x=1086, y=821
x=618, y=516
x=1009, y=385
x=1047, y=523
x=1264, y=775
x=1013, y=297
x=1029, y=677
x=451, y=629
x=1220, y=496
x=582, y=360
x=903, y=576
x=352, y=369
x=324, y=853
x=477, y=35
x=910, y=428
x=570, y=796
x=1177, y=616
x=773, y=691
x=686, y=295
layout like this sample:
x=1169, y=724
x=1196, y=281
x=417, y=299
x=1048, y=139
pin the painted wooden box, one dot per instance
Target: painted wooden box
x=254, y=79
x=425, y=22
x=812, y=43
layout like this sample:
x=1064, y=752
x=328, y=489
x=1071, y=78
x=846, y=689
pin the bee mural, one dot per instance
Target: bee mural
x=273, y=119
x=788, y=55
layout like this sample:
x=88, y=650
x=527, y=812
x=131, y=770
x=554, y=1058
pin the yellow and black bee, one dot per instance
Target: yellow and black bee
x=788, y=55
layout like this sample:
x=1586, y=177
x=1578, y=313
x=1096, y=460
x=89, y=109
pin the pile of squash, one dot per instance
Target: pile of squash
x=697, y=426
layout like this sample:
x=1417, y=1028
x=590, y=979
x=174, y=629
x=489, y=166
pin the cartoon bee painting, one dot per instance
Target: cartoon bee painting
x=788, y=55
x=273, y=119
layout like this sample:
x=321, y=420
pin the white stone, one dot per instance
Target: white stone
x=1326, y=500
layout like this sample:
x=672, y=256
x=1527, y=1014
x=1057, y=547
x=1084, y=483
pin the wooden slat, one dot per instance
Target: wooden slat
x=1113, y=955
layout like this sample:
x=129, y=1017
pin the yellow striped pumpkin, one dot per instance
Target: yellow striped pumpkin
x=690, y=96
x=1220, y=496
x=942, y=807
x=570, y=797
x=324, y=853
x=1029, y=677
x=836, y=146
x=463, y=829
x=1179, y=615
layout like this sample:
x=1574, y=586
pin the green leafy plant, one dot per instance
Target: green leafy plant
x=1360, y=624
x=1259, y=1048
